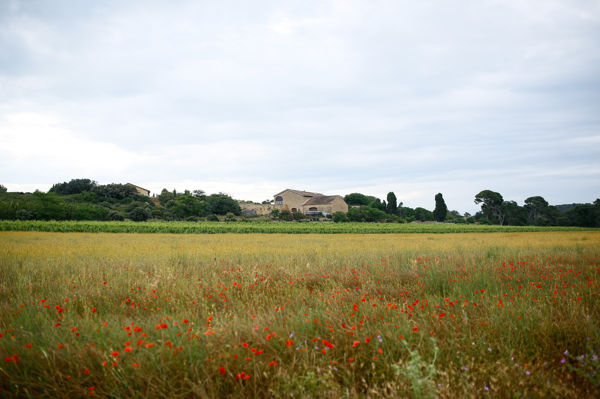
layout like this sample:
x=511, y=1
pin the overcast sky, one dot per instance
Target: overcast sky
x=252, y=97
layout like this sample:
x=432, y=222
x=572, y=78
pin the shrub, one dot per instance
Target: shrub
x=24, y=214
x=298, y=215
x=139, y=214
x=339, y=217
x=229, y=217
x=212, y=218
x=114, y=215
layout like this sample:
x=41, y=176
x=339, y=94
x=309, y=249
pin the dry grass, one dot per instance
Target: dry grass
x=455, y=315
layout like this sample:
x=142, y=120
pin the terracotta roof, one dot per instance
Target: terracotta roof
x=302, y=193
x=321, y=200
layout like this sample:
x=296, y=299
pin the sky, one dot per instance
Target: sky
x=250, y=98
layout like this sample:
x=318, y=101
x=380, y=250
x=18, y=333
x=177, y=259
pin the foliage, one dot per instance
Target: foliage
x=115, y=191
x=423, y=214
x=357, y=199
x=441, y=210
x=266, y=227
x=165, y=196
x=392, y=203
x=139, y=214
x=491, y=205
x=3, y=189
x=285, y=214
x=221, y=203
x=75, y=186
x=298, y=216
x=339, y=217
x=212, y=218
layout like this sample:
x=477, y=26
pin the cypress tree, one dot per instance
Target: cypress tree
x=441, y=210
x=392, y=203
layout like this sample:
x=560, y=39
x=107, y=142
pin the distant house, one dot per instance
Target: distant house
x=140, y=190
x=309, y=203
x=324, y=204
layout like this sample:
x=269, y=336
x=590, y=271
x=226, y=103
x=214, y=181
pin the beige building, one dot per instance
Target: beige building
x=325, y=204
x=251, y=208
x=308, y=202
x=140, y=190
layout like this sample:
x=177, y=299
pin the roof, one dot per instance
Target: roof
x=301, y=193
x=322, y=200
x=135, y=185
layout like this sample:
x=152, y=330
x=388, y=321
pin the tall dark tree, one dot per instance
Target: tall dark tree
x=537, y=207
x=2, y=189
x=392, y=203
x=441, y=210
x=491, y=205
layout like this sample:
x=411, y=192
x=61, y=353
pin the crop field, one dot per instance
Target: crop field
x=279, y=315
x=247, y=226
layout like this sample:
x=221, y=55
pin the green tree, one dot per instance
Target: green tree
x=423, y=214
x=2, y=189
x=339, y=217
x=491, y=205
x=165, y=196
x=392, y=203
x=75, y=186
x=441, y=210
x=537, y=208
x=140, y=214
x=221, y=203
x=357, y=199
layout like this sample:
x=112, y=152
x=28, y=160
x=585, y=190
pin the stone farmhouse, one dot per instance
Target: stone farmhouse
x=309, y=203
x=140, y=190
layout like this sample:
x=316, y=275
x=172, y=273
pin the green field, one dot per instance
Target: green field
x=280, y=315
x=265, y=227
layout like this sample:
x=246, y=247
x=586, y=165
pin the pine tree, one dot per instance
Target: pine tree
x=441, y=210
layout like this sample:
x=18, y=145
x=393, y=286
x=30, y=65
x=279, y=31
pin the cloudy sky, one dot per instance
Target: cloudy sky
x=251, y=97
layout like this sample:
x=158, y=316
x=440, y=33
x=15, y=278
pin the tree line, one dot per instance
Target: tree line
x=85, y=199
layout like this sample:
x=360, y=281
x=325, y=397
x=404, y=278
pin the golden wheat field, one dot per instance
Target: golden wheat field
x=252, y=315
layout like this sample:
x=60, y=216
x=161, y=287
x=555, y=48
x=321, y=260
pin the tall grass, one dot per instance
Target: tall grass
x=455, y=315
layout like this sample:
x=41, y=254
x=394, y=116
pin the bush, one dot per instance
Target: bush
x=298, y=215
x=139, y=214
x=24, y=214
x=114, y=215
x=212, y=218
x=229, y=217
x=339, y=217
x=285, y=215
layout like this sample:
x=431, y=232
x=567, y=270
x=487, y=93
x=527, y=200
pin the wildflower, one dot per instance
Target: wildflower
x=115, y=353
x=273, y=363
x=222, y=370
x=289, y=342
x=128, y=349
x=135, y=365
x=149, y=345
x=327, y=344
x=355, y=344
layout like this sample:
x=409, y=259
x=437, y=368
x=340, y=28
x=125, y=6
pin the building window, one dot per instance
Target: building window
x=294, y=210
x=278, y=200
x=313, y=208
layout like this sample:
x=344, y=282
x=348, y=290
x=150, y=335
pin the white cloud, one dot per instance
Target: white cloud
x=335, y=96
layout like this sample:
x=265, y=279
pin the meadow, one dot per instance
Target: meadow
x=500, y=314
